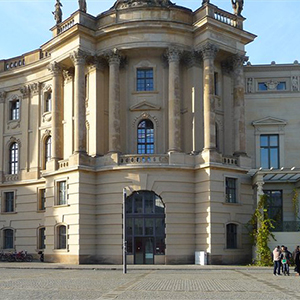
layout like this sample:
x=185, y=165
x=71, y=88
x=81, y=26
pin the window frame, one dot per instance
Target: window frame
x=58, y=237
x=4, y=245
x=146, y=133
x=48, y=149
x=58, y=183
x=41, y=238
x=13, y=163
x=48, y=102
x=269, y=148
x=14, y=109
x=235, y=238
x=4, y=202
x=41, y=201
x=144, y=79
x=234, y=189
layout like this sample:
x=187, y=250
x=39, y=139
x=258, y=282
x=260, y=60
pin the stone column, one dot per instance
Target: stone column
x=114, y=133
x=57, y=111
x=239, y=105
x=173, y=56
x=209, y=52
x=79, y=59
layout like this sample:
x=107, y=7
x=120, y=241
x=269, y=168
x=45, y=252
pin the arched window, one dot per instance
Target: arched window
x=13, y=158
x=145, y=226
x=8, y=241
x=231, y=233
x=48, y=144
x=62, y=237
x=41, y=238
x=145, y=137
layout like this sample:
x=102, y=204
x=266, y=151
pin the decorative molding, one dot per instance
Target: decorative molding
x=2, y=96
x=34, y=88
x=276, y=123
x=125, y=4
x=97, y=63
x=294, y=84
x=142, y=116
x=47, y=117
x=12, y=140
x=13, y=124
x=173, y=54
x=144, y=106
x=68, y=74
x=249, y=85
x=25, y=90
x=271, y=85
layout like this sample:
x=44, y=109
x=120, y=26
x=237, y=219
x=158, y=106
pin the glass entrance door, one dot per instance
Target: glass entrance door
x=144, y=251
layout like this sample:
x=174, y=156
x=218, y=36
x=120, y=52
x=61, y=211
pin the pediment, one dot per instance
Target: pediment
x=144, y=106
x=269, y=121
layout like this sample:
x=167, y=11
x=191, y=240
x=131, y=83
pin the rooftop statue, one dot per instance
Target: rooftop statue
x=205, y=1
x=82, y=5
x=237, y=7
x=57, y=13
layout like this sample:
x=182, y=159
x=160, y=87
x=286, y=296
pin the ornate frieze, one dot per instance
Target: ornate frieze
x=125, y=4
x=295, y=83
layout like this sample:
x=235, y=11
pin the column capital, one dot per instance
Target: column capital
x=2, y=96
x=173, y=54
x=113, y=56
x=238, y=60
x=79, y=56
x=97, y=63
x=54, y=68
x=209, y=51
x=68, y=74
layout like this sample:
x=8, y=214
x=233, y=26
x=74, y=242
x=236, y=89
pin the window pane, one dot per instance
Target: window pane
x=129, y=205
x=129, y=229
x=8, y=239
x=231, y=236
x=264, y=141
x=149, y=226
x=273, y=140
x=281, y=86
x=138, y=226
x=62, y=237
x=262, y=86
x=264, y=158
x=274, y=158
x=160, y=245
x=138, y=204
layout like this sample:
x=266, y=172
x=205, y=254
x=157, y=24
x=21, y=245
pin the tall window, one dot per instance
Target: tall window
x=275, y=210
x=269, y=151
x=231, y=190
x=145, y=136
x=62, y=237
x=15, y=110
x=62, y=193
x=231, y=232
x=41, y=236
x=42, y=199
x=144, y=79
x=8, y=241
x=9, y=202
x=48, y=145
x=48, y=101
x=13, y=158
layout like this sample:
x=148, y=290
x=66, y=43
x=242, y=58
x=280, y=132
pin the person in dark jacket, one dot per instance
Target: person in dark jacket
x=296, y=257
x=285, y=257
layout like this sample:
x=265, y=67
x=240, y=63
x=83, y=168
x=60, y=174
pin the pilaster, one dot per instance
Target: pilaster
x=2, y=101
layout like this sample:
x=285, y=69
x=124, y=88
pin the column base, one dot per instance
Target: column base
x=211, y=155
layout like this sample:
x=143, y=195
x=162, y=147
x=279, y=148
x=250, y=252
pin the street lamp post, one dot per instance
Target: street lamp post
x=124, y=233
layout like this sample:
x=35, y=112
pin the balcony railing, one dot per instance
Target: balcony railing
x=287, y=226
x=144, y=159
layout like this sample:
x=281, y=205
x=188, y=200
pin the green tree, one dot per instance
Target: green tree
x=260, y=227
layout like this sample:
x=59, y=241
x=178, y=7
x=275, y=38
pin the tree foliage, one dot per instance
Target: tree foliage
x=260, y=227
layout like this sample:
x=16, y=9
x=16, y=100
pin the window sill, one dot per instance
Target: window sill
x=8, y=212
x=41, y=210
x=61, y=250
x=232, y=204
x=232, y=250
x=144, y=92
x=61, y=205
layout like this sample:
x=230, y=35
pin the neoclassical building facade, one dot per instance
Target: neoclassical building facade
x=157, y=99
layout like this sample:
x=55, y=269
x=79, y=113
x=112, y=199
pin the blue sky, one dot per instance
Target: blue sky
x=25, y=24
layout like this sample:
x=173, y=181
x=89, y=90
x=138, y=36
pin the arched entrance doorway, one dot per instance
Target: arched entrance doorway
x=145, y=226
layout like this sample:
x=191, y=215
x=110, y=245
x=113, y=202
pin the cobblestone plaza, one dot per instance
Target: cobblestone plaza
x=44, y=281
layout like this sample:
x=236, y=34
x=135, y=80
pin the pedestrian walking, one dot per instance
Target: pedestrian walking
x=276, y=260
x=296, y=257
x=285, y=257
